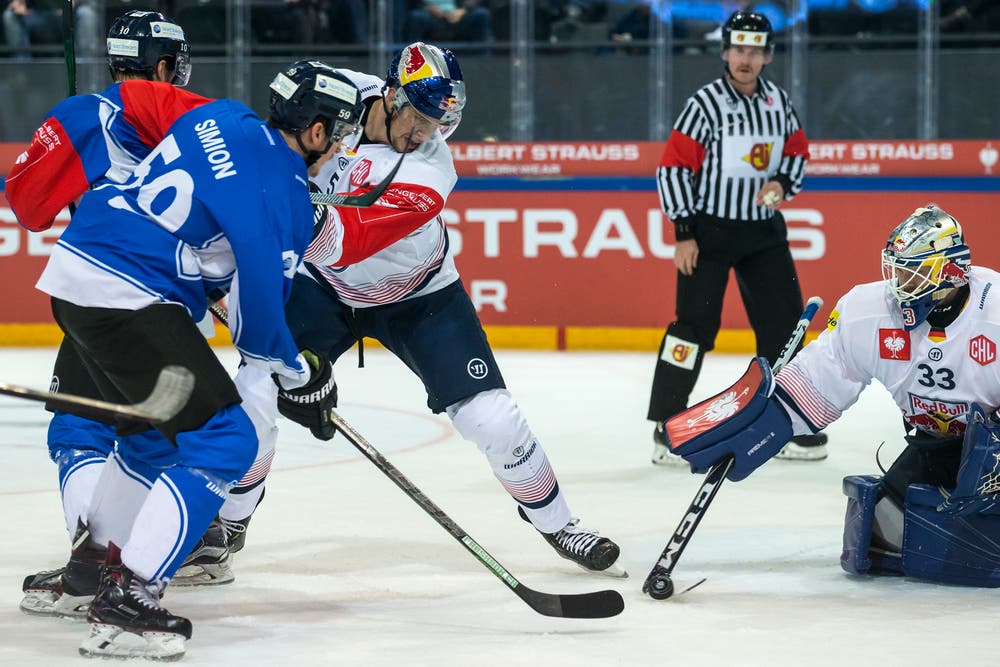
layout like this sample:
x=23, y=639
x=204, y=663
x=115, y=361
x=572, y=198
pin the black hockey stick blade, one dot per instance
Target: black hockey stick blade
x=600, y=604
x=169, y=396
x=358, y=201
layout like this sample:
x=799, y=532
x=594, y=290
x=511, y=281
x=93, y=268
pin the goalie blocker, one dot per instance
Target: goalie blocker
x=947, y=537
x=742, y=422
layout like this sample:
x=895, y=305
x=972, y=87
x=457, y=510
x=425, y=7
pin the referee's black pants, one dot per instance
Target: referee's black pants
x=758, y=253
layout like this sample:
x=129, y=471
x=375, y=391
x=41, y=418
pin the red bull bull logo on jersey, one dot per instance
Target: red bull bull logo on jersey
x=933, y=415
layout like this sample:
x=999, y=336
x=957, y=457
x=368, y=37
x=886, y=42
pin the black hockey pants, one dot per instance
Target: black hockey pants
x=758, y=253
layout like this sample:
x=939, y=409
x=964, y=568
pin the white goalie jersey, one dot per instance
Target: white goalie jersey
x=933, y=374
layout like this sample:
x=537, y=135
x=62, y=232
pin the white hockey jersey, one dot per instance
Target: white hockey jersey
x=932, y=374
x=417, y=264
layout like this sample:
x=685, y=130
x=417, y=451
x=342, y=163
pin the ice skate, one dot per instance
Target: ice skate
x=127, y=620
x=661, y=449
x=584, y=547
x=804, y=448
x=67, y=591
x=209, y=563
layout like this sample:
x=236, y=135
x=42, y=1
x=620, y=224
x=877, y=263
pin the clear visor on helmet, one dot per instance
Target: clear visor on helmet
x=912, y=278
x=341, y=129
x=422, y=124
x=182, y=70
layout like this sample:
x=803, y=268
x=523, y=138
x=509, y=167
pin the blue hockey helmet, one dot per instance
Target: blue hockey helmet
x=429, y=79
x=138, y=40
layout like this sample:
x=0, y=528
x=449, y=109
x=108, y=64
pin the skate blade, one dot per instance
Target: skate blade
x=112, y=641
x=203, y=575
x=615, y=571
x=793, y=452
x=38, y=603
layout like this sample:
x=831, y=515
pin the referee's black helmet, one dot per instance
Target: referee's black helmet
x=748, y=29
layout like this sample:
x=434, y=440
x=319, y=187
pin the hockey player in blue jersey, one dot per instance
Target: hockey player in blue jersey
x=220, y=203
x=85, y=140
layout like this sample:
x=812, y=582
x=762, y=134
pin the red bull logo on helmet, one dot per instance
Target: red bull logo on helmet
x=414, y=66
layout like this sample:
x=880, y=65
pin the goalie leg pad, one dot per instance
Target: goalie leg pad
x=742, y=422
x=949, y=548
x=863, y=493
x=977, y=487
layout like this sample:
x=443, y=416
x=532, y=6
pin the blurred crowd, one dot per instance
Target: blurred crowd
x=615, y=24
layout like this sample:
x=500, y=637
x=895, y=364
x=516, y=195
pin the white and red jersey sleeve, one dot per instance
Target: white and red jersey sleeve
x=88, y=138
x=932, y=374
x=397, y=248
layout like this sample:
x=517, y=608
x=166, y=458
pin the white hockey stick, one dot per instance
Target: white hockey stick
x=171, y=393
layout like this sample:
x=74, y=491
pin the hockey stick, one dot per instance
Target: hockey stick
x=358, y=201
x=169, y=396
x=600, y=604
x=658, y=584
x=69, y=46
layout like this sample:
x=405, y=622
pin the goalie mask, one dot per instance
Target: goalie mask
x=429, y=79
x=138, y=40
x=924, y=261
x=311, y=91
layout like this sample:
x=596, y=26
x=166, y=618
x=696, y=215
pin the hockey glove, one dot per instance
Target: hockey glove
x=977, y=489
x=742, y=421
x=310, y=404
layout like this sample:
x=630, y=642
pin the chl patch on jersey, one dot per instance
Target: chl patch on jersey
x=933, y=415
x=982, y=350
x=359, y=175
x=679, y=352
x=894, y=344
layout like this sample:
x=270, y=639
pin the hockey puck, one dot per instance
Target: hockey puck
x=659, y=587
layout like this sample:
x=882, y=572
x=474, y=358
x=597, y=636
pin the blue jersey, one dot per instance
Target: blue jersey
x=221, y=202
x=87, y=138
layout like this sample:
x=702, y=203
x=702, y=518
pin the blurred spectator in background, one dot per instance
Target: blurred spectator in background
x=32, y=22
x=632, y=26
x=347, y=21
x=286, y=22
x=967, y=16
x=449, y=21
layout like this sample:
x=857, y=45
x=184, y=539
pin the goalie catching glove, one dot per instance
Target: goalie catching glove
x=743, y=422
x=310, y=404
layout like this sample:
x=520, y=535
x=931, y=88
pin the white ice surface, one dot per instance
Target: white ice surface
x=341, y=568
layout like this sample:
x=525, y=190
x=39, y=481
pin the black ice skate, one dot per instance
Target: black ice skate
x=67, y=591
x=208, y=564
x=127, y=621
x=661, y=449
x=584, y=547
x=236, y=533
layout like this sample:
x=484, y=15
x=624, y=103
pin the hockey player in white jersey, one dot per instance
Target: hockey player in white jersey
x=410, y=298
x=221, y=202
x=928, y=332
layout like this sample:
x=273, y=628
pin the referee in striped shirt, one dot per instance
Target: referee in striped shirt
x=736, y=152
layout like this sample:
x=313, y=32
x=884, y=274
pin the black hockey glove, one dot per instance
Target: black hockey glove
x=310, y=404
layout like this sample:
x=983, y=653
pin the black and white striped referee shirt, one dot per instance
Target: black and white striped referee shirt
x=724, y=147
